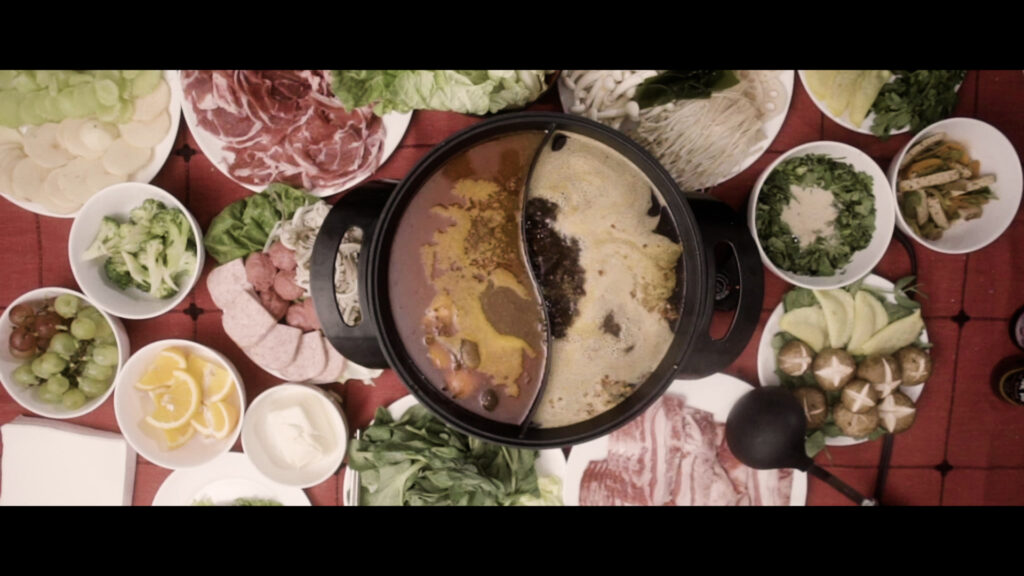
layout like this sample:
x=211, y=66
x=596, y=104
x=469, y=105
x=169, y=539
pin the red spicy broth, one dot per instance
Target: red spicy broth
x=465, y=306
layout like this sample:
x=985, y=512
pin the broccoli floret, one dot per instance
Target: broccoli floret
x=144, y=213
x=117, y=272
x=174, y=227
x=151, y=257
x=107, y=240
x=132, y=236
x=186, y=266
x=140, y=276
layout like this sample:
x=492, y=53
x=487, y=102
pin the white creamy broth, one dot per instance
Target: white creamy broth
x=810, y=214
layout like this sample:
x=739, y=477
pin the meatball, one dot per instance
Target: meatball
x=795, y=358
x=833, y=368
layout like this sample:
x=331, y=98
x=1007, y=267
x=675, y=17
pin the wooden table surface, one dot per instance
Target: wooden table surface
x=966, y=448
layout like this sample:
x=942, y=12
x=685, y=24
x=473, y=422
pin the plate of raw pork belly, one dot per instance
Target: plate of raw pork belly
x=675, y=454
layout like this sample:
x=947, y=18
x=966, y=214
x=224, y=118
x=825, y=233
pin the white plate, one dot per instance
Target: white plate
x=844, y=120
x=716, y=394
x=766, y=355
x=771, y=128
x=548, y=463
x=223, y=480
x=395, y=125
x=160, y=152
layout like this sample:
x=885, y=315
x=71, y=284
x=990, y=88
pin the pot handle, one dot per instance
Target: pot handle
x=360, y=208
x=743, y=272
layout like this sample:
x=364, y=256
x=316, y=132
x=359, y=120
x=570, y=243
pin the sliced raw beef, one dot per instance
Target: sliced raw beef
x=226, y=281
x=260, y=271
x=310, y=359
x=245, y=319
x=277, y=349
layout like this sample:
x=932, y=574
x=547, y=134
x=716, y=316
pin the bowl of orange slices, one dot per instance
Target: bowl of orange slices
x=181, y=403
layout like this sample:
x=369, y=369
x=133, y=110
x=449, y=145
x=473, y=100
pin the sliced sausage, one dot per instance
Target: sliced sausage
x=334, y=367
x=277, y=349
x=226, y=281
x=274, y=304
x=310, y=359
x=245, y=319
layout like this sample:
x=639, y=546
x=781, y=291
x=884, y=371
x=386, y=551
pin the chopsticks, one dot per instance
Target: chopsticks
x=354, y=488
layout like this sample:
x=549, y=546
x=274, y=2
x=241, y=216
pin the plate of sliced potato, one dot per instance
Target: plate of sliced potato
x=846, y=96
x=65, y=135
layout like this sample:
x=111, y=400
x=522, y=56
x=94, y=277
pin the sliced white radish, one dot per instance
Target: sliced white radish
x=98, y=136
x=152, y=104
x=53, y=198
x=8, y=160
x=27, y=179
x=70, y=135
x=72, y=178
x=9, y=135
x=123, y=158
x=98, y=178
x=42, y=146
x=146, y=133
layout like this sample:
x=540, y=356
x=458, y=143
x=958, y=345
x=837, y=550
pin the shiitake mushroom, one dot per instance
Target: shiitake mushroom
x=833, y=368
x=855, y=424
x=897, y=412
x=883, y=372
x=915, y=365
x=815, y=405
x=859, y=396
x=795, y=358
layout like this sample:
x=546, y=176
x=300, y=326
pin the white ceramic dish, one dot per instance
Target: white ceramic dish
x=131, y=406
x=395, y=125
x=771, y=128
x=844, y=120
x=548, y=463
x=998, y=157
x=221, y=482
x=26, y=397
x=117, y=201
x=145, y=174
x=716, y=394
x=863, y=261
x=766, y=363
x=324, y=415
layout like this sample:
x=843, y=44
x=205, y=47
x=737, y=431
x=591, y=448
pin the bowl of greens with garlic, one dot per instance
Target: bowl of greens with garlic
x=822, y=215
x=135, y=250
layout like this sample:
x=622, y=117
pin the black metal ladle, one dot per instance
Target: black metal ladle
x=765, y=430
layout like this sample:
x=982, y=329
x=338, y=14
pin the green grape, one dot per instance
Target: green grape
x=47, y=395
x=48, y=364
x=57, y=384
x=91, y=313
x=103, y=328
x=23, y=375
x=92, y=387
x=105, y=339
x=83, y=328
x=66, y=305
x=73, y=399
x=63, y=344
x=105, y=355
x=97, y=371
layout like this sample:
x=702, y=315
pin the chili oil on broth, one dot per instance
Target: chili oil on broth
x=463, y=302
x=608, y=275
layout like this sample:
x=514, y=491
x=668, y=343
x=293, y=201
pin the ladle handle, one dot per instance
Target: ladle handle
x=843, y=487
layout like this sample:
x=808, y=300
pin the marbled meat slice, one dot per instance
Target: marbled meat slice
x=310, y=359
x=260, y=271
x=226, y=281
x=245, y=319
x=277, y=349
x=334, y=367
x=285, y=286
x=303, y=315
x=757, y=487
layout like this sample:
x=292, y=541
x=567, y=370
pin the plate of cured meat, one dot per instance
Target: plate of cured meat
x=675, y=454
x=264, y=126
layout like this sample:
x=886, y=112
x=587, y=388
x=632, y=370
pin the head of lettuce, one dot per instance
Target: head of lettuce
x=465, y=91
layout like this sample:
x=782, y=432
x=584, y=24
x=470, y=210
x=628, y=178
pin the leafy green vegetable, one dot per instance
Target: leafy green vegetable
x=240, y=502
x=853, y=227
x=672, y=85
x=419, y=461
x=244, y=225
x=814, y=443
x=798, y=298
x=915, y=98
x=154, y=251
x=466, y=91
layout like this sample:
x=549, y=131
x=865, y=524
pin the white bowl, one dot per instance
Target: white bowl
x=117, y=201
x=26, y=397
x=863, y=261
x=131, y=406
x=997, y=156
x=325, y=418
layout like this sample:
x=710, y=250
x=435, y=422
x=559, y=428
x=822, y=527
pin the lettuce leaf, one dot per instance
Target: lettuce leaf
x=244, y=225
x=465, y=91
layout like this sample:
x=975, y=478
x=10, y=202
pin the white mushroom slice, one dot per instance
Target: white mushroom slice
x=124, y=159
x=152, y=104
x=42, y=146
x=27, y=179
x=146, y=133
x=9, y=158
x=98, y=136
x=9, y=136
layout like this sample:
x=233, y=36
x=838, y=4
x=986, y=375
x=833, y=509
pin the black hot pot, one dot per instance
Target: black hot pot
x=704, y=226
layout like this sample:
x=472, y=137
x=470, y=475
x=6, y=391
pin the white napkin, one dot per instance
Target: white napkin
x=49, y=462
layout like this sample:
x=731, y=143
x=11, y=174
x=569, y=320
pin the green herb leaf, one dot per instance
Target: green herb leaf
x=798, y=298
x=814, y=443
x=915, y=98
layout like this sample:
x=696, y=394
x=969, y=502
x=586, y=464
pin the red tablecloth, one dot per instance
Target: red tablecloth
x=967, y=447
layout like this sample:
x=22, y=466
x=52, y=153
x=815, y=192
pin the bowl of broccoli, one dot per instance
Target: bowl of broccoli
x=135, y=250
